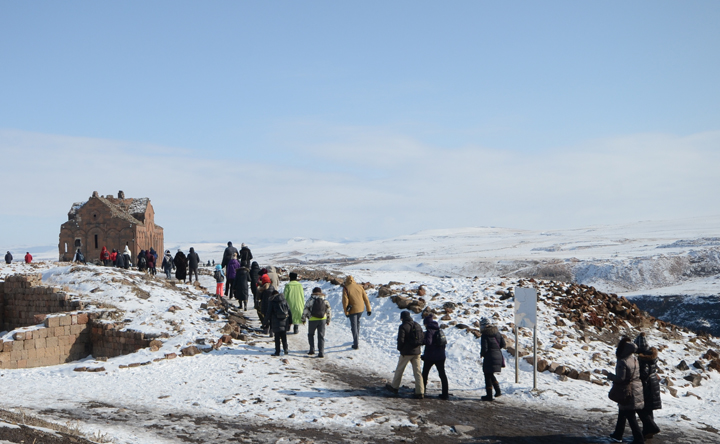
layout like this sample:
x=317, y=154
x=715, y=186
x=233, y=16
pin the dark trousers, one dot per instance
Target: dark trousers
x=228, y=285
x=440, y=365
x=648, y=420
x=318, y=326
x=490, y=383
x=355, y=327
x=281, y=336
x=190, y=273
x=629, y=416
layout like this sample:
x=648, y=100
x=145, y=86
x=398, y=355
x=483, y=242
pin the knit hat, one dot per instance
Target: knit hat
x=293, y=276
x=428, y=319
x=484, y=323
x=263, y=271
x=218, y=267
x=405, y=316
x=317, y=290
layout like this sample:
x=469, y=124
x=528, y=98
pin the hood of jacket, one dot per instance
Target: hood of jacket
x=432, y=325
x=650, y=355
x=491, y=331
x=626, y=350
x=349, y=280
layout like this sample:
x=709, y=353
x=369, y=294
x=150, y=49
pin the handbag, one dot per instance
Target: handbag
x=620, y=393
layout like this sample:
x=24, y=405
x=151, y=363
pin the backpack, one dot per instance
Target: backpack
x=142, y=262
x=439, y=339
x=282, y=310
x=417, y=337
x=318, y=308
x=218, y=275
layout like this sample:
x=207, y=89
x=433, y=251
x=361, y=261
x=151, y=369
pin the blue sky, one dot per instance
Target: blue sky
x=356, y=120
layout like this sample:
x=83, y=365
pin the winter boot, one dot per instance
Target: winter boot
x=496, y=386
x=488, y=396
x=295, y=329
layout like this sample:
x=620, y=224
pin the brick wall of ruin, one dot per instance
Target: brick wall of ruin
x=2, y=305
x=54, y=338
x=61, y=338
x=25, y=298
x=108, y=341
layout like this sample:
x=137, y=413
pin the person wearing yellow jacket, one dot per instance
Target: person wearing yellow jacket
x=355, y=301
x=295, y=297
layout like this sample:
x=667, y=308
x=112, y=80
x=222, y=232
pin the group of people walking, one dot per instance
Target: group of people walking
x=410, y=342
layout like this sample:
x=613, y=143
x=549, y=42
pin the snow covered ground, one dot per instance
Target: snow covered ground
x=242, y=381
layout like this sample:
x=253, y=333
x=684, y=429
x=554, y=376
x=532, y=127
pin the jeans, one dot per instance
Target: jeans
x=355, y=327
x=415, y=361
x=320, y=327
x=440, y=365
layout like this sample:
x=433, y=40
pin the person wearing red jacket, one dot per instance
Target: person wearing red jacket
x=113, y=257
x=104, y=256
x=28, y=257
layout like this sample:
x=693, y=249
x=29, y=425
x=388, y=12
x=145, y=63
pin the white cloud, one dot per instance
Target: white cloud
x=358, y=182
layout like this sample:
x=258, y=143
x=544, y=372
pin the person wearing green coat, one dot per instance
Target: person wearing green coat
x=295, y=297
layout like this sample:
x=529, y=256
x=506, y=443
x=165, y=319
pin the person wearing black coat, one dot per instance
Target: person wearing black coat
x=240, y=286
x=434, y=355
x=245, y=256
x=180, y=262
x=227, y=255
x=409, y=343
x=120, y=260
x=142, y=261
x=193, y=263
x=8, y=258
x=254, y=278
x=265, y=292
x=647, y=359
x=277, y=318
x=491, y=345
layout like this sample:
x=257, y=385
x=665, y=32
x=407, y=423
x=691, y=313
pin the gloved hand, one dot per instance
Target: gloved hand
x=369, y=313
x=327, y=323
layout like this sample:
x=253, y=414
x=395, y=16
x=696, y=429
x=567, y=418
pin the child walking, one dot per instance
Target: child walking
x=220, y=279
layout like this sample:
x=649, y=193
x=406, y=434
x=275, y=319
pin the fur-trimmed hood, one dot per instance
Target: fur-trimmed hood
x=650, y=356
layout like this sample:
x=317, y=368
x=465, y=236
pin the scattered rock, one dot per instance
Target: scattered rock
x=190, y=351
x=695, y=379
x=683, y=366
x=463, y=429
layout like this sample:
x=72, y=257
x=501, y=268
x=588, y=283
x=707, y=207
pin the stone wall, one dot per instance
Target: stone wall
x=24, y=298
x=60, y=339
x=48, y=338
x=109, y=341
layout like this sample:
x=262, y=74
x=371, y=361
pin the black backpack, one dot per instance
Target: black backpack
x=281, y=310
x=318, y=309
x=439, y=339
x=417, y=337
x=142, y=262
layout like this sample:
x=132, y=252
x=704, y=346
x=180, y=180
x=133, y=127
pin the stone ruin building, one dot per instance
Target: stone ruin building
x=110, y=222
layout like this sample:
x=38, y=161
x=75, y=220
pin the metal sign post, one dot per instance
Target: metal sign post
x=526, y=316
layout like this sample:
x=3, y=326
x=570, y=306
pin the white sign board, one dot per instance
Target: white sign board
x=525, y=307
